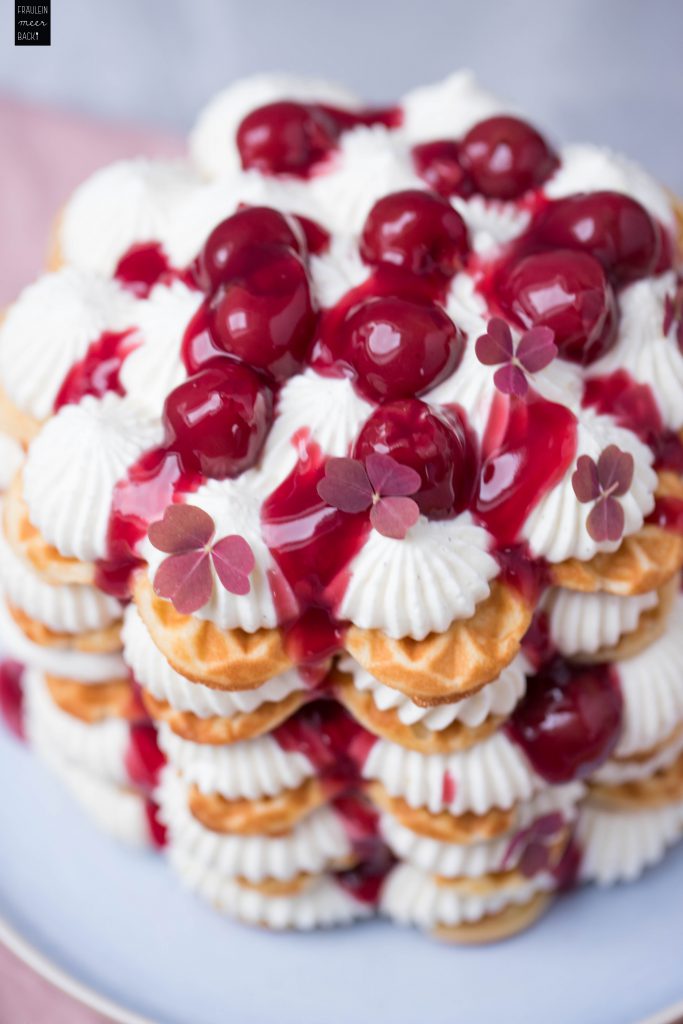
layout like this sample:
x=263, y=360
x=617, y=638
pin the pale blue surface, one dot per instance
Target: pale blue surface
x=118, y=922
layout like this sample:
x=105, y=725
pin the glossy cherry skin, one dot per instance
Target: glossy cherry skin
x=265, y=315
x=220, y=256
x=433, y=441
x=438, y=164
x=217, y=420
x=399, y=348
x=418, y=231
x=569, y=721
x=505, y=157
x=286, y=138
x=566, y=291
x=612, y=227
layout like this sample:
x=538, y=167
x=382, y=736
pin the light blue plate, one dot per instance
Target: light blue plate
x=119, y=923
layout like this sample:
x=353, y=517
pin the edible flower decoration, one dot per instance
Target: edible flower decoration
x=538, y=841
x=378, y=483
x=602, y=482
x=673, y=314
x=534, y=351
x=185, y=534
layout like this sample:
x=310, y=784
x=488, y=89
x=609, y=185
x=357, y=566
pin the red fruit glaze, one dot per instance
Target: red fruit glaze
x=219, y=259
x=612, y=227
x=143, y=759
x=12, y=696
x=141, y=267
x=399, y=348
x=99, y=370
x=505, y=157
x=265, y=315
x=438, y=164
x=218, y=419
x=566, y=291
x=418, y=231
x=157, y=830
x=433, y=441
x=332, y=740
x=569, y=721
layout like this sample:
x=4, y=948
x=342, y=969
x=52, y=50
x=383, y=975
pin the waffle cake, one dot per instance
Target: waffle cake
x=342, y=517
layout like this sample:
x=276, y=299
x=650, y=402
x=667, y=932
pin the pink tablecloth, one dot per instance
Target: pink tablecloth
x=43, y=156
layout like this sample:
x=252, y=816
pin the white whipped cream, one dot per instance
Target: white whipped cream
x=642, y=348
x=472, y=860
x=614, y=773
x=50, y=327
x=74, y=464
x=494, y=773
x=619, y=846
x=439, y=572
x=152, y=671
x=316, y=842
x=128, y=202
x=11, y=458
x=447, y=109
x=250, y=770
x=63, y=608
x=337, y=270
x=556, y=527
x=212, y=141
x=499, y=697
x=583, y=623
x=411, y=896
x=491, y=222
x=588, y=168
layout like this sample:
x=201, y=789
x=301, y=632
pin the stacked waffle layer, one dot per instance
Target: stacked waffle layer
x=341, y=535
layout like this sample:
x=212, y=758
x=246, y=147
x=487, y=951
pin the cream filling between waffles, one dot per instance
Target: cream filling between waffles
x=617, y=846
x=583, y=623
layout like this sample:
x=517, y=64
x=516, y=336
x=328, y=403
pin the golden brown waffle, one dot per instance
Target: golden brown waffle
x=273, y=815
x=276, y=887
x=93, y=702
x=495, y=927
x=218, y=730
x=502, y=881
x=445, y=666
x=388, y=725
x=198, y=650
x=662, y=788
x=96, y=641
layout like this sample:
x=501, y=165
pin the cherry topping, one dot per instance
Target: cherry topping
x=433, y=441
x=255, y=225
x=12, y=696
x=217, y=420
x=506, y=157
x=438, y=164
x=612, y=227
x=415, y=230
x=569, y=721
x=144, y=760
x=286, y=138
x=141, y=267
x=265, y=315
x=568, y=292
x=398, y=347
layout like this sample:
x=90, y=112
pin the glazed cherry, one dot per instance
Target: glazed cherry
x=265, y=316
x=417, y=231
x=217, y=420
x=143, y=759
x=566, y=291
x=286, y=138
x=438, y=164
x=220, y=255
x=399, y=348
x=505, y=157
x=435, y=442
x=612, y=227
x=569, y=721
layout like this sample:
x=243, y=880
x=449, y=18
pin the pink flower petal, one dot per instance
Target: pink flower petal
x=390, y=478
x=185, y=580
x=233, y=561
x=536, y=349
x=510, y=380
x=346, y=485
x=393, y=517
x=495, y=346
x=615, y=470
x=606, y=520
x=585, y=479
x=182, y=528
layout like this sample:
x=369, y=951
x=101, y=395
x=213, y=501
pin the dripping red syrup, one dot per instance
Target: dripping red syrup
x=146, y=264
x=99, y=370
x=157, y=830
x=143, y=758
x=12, y=696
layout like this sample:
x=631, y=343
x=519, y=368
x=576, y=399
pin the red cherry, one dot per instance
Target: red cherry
x=438, y=163
x=506, y=157
x=220, y=255
x=435, y=442
x=568, y=292
x=286, y=138
x=418, y=231
x=12, y=696
x=217, y=420
x=399, y=348
x=144, y=760
x=265, y=316
x=569, y=721
x=612, y=227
